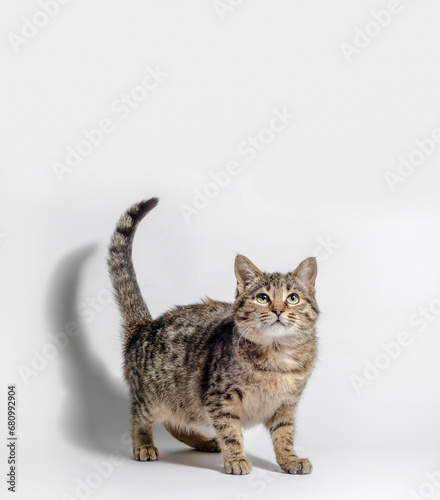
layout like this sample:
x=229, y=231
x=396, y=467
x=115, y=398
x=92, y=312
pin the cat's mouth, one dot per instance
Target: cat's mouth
x=278, y=322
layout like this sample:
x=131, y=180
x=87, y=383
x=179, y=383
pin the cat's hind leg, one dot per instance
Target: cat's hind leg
x=143, y=444
x=194, y=439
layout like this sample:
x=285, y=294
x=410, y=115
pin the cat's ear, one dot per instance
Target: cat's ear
x=306, y=273
x=245, y=272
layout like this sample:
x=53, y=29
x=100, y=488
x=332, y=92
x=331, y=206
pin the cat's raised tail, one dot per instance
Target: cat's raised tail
x=127, y=292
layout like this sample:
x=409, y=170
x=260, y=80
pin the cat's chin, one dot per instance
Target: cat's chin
x=281, y=334
x=278, y=329
x=276, y=332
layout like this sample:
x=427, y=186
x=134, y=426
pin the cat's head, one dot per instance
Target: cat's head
x=274, y=307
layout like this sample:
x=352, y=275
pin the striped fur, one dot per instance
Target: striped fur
x=127, y=292
x=214, y=364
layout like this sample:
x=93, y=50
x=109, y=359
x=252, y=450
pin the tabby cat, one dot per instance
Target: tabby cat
x=217, y=364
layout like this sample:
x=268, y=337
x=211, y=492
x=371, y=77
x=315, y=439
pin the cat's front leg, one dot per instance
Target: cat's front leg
x=282, y=430
x=230, y=438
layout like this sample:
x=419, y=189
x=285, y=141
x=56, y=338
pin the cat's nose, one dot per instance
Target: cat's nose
x=278, y=310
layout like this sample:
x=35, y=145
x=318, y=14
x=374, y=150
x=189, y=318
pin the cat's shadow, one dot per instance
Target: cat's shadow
x=96, y=412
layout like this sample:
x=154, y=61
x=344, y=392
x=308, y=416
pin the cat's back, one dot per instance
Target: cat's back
x=191, y=318
x=183, y=324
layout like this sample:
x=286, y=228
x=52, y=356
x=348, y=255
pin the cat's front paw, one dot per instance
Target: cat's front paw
x=146, y=453
x=239, y=467
x=297, y=466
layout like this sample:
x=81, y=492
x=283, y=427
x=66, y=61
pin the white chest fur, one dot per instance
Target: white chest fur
x=261, y=400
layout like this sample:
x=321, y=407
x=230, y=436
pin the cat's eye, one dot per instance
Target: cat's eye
x=293, y=298
x=262, y=298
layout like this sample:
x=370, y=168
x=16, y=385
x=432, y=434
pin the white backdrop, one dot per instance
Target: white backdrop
x=106, y=103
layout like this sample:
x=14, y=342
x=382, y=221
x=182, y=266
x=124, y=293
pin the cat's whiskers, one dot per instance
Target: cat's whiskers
x=245, y=331
x=242, y=333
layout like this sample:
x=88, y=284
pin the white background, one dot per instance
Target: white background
x=321, y=179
